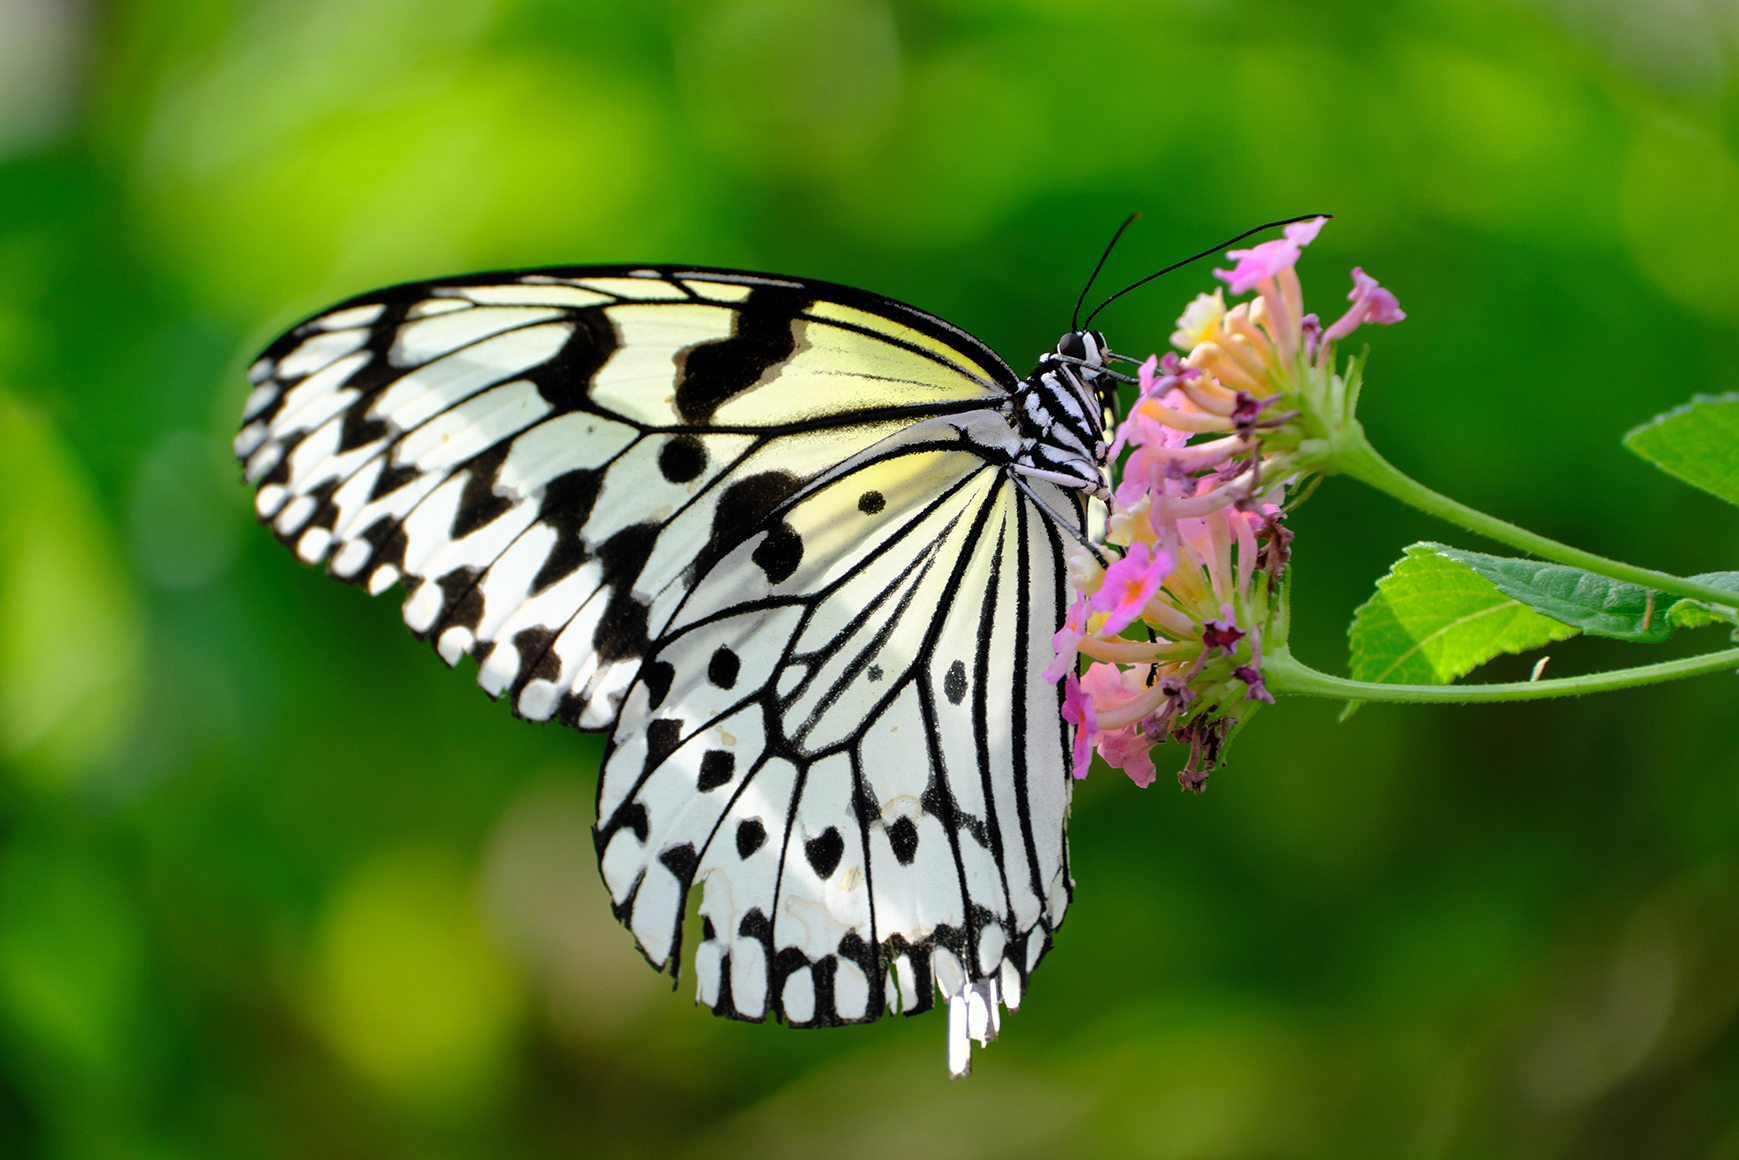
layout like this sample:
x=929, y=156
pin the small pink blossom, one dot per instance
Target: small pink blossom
x=1150, y=464
x=1153, y=382
x=1129, y=584
x=1262, y=262
x=1370, y=303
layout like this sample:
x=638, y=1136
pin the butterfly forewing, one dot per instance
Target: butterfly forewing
x=537, y=456
x=764, y=529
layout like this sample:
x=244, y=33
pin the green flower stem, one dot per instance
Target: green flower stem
x=1354, y=456
x=1283, y=673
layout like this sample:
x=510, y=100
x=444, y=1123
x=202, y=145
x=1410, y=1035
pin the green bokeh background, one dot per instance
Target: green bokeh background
x=275, y=883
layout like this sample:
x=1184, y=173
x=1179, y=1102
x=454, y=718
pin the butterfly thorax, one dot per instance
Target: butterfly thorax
x=1060, y=412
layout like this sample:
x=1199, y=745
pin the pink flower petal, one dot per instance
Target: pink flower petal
x=1257, y=264
x=1067, y=642
x=1264, y=261
x=1129, y=584
x=1078, y=711
x=1148, y=373
x=1129, y=749
x=1301, y=234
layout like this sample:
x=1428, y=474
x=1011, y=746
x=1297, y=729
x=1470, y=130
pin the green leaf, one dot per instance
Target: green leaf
x=1434, y=619
x=1698, y=442
x=1696, y=613
x=1595, y=604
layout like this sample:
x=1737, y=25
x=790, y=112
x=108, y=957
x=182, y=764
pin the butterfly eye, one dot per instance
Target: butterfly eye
x=1072, y=345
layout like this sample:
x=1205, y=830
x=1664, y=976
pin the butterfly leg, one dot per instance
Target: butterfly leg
x=1073, y=482
x=1062, y=522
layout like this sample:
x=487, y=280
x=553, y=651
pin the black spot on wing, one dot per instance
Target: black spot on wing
x=662, y=738
x=903, y=837
x=387, y=538
x=657, y=677
x=710, y=373
x=682, y=458
x=717, y=767
x=779, y=554
x=954, y=684
x=629, y=816
x=751, y=836
x=741, y=508
x=755, y=924
x=537, y=659
x=871, y=502
x=392, y=478
x=681, y=861
x=723, y=668
x=461, y=603
x=824, y=853
x=479, y=505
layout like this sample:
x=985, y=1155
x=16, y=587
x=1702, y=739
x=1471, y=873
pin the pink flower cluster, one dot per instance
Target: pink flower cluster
x=1173, y=627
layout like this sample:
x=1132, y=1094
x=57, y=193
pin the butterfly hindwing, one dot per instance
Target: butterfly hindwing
x=854, y=764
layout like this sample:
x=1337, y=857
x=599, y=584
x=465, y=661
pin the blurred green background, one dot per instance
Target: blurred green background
x=274, y=883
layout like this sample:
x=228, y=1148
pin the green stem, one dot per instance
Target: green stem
x=1357, y=458
x=1283, y=673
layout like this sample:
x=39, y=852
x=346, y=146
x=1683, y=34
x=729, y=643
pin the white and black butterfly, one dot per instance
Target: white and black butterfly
x=798, y=547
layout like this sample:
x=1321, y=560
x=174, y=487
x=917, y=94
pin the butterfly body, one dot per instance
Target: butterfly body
x=1061, y=414
x=797, y=547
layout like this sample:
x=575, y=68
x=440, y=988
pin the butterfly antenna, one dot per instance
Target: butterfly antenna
x=1077, y=314
x=1195, y=258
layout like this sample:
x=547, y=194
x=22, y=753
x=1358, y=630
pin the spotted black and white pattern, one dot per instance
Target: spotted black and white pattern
x=794, y=544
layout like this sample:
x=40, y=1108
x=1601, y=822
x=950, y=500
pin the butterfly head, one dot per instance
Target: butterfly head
x=1086, y=346
x=1085, y=355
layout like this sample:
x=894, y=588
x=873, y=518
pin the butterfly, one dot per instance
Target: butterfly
x=798, y=548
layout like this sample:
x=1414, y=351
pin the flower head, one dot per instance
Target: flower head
x=1209, y=450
